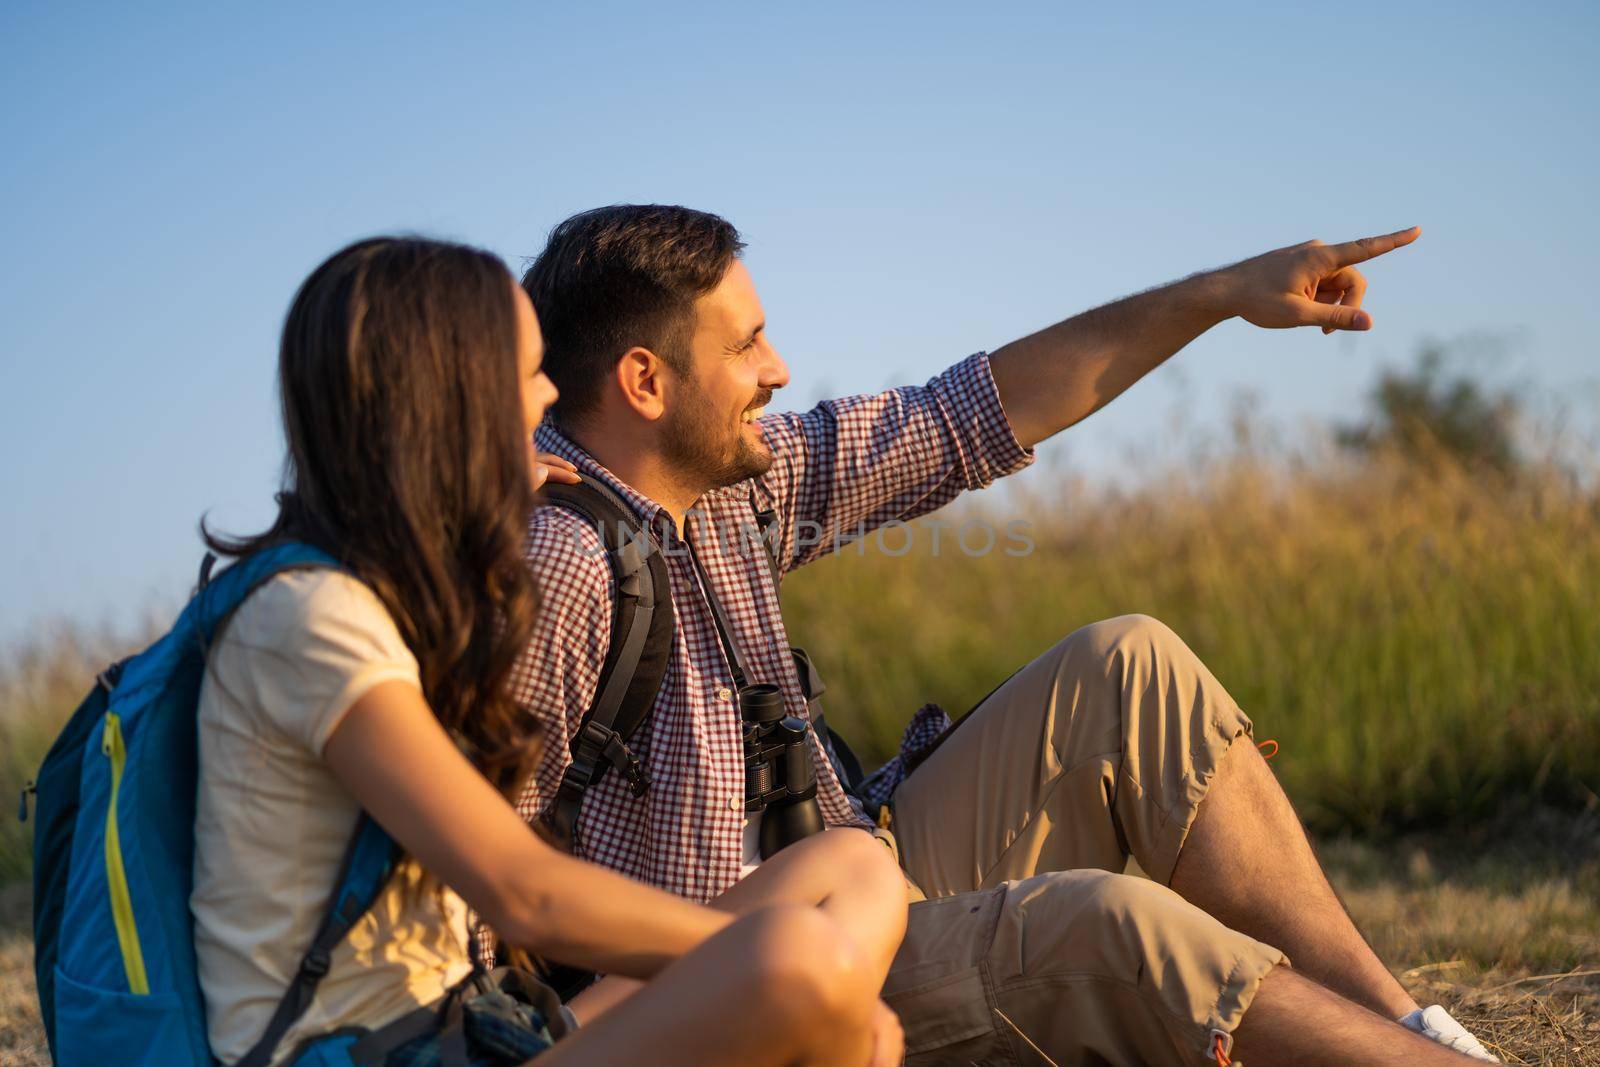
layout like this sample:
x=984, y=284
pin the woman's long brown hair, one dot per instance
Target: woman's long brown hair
x=408, y=461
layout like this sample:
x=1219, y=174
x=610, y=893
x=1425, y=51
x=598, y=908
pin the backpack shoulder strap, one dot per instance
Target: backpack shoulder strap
x=371, y=855
x=636, y=659
x=368, y=862
x=221, y=594
x=764, y=518
x=217, y=598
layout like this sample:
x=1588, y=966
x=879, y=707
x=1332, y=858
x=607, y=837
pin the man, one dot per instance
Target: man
x=1116, y=742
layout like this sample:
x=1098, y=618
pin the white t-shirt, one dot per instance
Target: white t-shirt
x=272, y=823
x=752, y=843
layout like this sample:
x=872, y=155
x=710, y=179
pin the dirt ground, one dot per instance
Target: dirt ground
x=1503, y=931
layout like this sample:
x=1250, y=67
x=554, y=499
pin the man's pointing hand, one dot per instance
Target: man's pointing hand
x=1310, y=284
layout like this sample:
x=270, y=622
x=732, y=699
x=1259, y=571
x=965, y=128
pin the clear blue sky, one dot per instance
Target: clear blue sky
x=916, y=182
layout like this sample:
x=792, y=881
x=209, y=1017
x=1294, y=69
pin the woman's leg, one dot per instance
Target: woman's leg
x=850, y=875
x=783, y=986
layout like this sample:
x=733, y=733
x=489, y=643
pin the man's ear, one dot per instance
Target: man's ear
x=641, y=378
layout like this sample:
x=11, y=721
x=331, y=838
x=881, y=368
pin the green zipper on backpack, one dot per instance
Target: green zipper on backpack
x=121, y=900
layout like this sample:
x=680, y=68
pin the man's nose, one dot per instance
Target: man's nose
x=775, y=374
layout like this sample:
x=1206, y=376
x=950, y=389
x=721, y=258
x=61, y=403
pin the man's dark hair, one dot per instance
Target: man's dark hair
x=619, y=277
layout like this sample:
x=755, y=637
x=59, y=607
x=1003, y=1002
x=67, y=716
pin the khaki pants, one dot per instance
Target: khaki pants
x=1032, y=944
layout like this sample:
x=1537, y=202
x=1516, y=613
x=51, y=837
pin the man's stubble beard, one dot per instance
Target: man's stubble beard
x=696, y=442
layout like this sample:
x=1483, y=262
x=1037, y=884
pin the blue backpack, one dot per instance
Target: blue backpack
x=114, y=856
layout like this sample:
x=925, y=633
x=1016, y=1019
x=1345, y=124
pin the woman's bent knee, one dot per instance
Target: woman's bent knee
x=868, y=861
x=806, y=969
x=857, y=850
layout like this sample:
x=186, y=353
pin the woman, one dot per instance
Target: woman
x=411, y=385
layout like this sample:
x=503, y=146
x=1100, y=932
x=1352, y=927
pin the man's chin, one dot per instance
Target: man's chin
x=752, y=461
x=762, y=462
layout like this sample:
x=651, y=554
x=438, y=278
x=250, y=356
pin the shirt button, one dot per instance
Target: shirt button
x=735, y=803
x=724, y=694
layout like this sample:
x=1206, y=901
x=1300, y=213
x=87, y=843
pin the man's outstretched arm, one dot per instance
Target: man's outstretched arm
x=1051, y=379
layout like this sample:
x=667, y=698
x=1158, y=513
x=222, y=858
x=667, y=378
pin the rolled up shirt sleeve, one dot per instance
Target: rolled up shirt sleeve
x=849, y=466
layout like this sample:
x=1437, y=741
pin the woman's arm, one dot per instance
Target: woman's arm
x=398, y=763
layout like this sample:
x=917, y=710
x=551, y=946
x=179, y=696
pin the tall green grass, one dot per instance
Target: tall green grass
x=1423, y=640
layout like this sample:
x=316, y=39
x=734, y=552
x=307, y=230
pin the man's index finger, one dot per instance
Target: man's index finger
x=1368, y=247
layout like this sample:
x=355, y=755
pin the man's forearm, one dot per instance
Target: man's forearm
x=1051, y=379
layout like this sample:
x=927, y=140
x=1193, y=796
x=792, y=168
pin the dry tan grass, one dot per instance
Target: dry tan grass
x=1502, y=927
x=1548, y=1019
x=21, y=1037
x=1444, y=934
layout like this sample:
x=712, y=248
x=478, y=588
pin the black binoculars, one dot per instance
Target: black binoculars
x=779, y=777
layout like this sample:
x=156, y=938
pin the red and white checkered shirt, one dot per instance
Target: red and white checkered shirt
x=840, y=470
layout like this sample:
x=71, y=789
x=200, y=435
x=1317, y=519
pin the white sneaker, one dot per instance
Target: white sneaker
x=1436, y=1024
